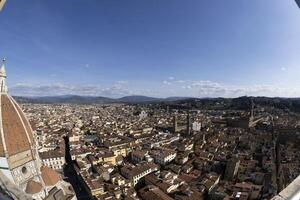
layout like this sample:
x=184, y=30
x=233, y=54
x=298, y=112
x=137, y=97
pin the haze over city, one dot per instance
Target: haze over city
x=154, y=48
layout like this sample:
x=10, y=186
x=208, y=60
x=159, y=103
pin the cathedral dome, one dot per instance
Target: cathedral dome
x=18, y=159
x=17, y=136
x=16, y=133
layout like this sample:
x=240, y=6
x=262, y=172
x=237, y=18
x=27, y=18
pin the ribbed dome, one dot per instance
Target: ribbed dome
x=20, y=161
x=16, y=132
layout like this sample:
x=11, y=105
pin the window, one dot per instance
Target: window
x=24, y=170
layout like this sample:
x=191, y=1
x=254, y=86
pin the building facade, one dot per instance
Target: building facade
x=53, y=159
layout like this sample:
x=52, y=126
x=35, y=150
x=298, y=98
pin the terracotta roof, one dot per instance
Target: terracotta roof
x=50, y=177
x=25, y=121
x=2, y=153
x=151, y=192
x=14, y=131
x=138, y=169
x=51, y=154
x=33, y=187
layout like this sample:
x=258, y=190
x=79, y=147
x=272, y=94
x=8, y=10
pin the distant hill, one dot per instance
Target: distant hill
x=93, y=99
x=138, y=99
x=66, y=99
x=240, y=103
x=176, y=98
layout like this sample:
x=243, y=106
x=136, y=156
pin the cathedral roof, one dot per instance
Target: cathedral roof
x=50, y=177
x=15, y=131
x=16, y=134
x=33, y=187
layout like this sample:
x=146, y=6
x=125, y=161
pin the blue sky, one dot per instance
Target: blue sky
x=152, y=47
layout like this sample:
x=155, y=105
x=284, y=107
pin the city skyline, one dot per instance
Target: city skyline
x=143, y=100
x=152, y=48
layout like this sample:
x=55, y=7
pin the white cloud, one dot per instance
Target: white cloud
x=122, y=82
x=283, y=69
x=167, y=82
x=193, y=88
x=62, y=89
x=180, y=81
x=206, y=88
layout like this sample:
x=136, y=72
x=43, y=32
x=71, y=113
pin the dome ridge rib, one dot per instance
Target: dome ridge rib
x=15, y=134
x=25, y=120
x=21, y=119
x=3, y=148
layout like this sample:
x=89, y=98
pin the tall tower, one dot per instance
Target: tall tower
x=175, y=123
x=252, y=109
x=232, y=168
x=251, y=118
x=188, y=124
